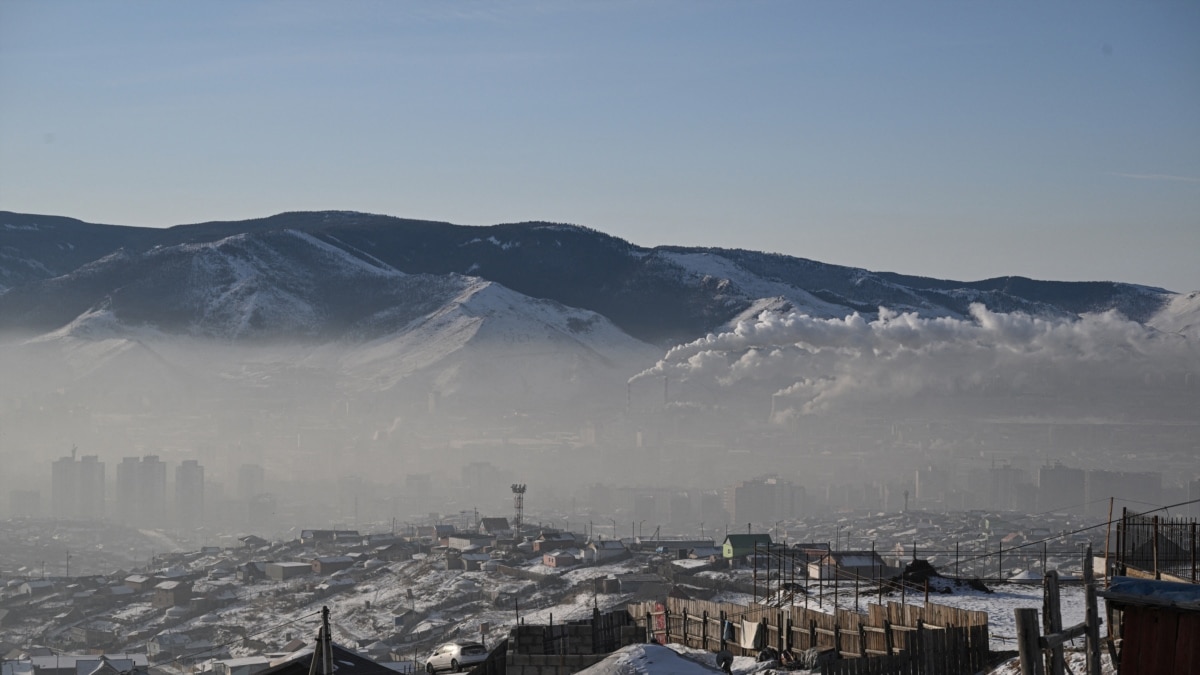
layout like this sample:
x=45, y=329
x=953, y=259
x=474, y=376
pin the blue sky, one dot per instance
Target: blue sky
x=953, y=139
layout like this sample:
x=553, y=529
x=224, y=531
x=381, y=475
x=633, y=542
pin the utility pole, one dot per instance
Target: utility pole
x=322, y=661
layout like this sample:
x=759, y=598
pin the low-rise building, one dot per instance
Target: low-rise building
x=329, y=564
x=850, y=565
x=171, y=594
x=600, y=550
x=550, y=540
x=738, y=545
x=282, y=571
x=248, y=665
x=559, y=558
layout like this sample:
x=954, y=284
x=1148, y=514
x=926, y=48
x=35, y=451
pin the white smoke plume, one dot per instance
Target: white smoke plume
x=813, y=365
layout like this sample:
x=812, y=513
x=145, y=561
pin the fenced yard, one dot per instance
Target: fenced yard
x=928, y=639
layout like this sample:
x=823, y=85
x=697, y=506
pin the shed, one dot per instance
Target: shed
x=1159, y=625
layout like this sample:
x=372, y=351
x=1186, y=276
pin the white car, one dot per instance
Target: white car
x=454, y=656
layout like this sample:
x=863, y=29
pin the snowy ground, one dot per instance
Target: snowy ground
x=421, y=604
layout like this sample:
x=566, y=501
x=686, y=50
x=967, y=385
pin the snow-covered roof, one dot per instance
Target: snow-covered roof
x=609, y=544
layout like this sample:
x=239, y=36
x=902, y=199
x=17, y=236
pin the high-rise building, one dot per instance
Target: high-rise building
x=712, y=510
x=189, y=495
x=1060, y=488
x=765, y=500
x=251, y=482
x=1137, y=491
x=64, y=487
x=141, y=498
x=127, y=498
x=91, y=487
x=77, y=487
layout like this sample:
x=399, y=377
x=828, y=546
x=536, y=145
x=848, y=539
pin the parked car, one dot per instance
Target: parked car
x=454, y=656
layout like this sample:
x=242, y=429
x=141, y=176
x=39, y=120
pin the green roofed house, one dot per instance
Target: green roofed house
x=738, y=545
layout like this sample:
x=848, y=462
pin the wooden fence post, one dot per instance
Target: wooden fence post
x=1052, y=621
x=889, y=640
x=704, y=631
x=922, y=656
x=1092, y=615
x=1027, y=641
x=787, y=644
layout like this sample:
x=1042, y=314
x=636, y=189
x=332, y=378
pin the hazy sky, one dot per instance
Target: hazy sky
x=952, y=139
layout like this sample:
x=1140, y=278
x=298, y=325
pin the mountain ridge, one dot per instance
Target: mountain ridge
x=54, y=269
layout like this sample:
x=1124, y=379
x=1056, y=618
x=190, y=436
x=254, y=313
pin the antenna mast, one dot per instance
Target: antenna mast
x=518, y=490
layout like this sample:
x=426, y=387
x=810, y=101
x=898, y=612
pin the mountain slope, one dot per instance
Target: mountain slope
x=269, y=276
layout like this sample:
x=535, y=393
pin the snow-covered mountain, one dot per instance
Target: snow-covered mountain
x=365, y=303
x=1181, y=314
x=244, y=277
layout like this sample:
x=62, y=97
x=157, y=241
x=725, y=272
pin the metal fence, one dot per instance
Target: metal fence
x=1157, y=546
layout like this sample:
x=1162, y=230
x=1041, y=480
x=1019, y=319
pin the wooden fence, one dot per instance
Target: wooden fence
x=907, y=636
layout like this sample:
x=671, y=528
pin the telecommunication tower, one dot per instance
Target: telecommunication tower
x=518, y=490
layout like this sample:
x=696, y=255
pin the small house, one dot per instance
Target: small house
x=252, y=541
x=559, y=558
x=463, y=541
x=171, y=594
x=327, y=565
x=33, y=588
x=473, y=562
x=601, y=550
x=850, y=565
x=738, y=545
x=495, y=527
x=550, y=540
x=248, y=665
x=282, y=571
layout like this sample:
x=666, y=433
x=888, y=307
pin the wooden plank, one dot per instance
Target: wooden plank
x=1187, y=645
x=1057, y=640
x=1160, y=657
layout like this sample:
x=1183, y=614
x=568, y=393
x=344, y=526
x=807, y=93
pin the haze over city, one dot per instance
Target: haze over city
x=432, y=310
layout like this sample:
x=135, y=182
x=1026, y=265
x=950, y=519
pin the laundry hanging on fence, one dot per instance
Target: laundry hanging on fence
x=727, y=631
x=752, y=635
